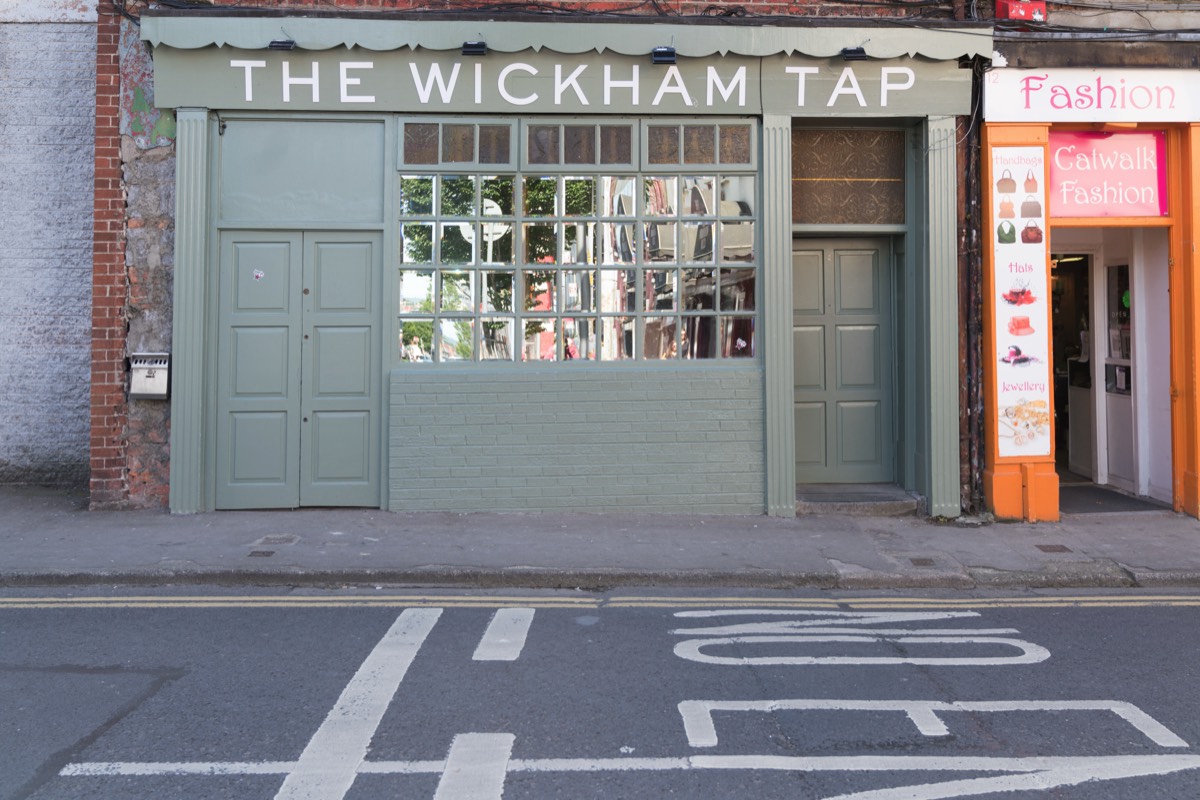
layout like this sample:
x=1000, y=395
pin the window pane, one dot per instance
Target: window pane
x=458, y=196
x=735, y=144
x=616, y=144
x=664, y=144
x=496, y=291
x=617, y=197
x=497, y=339
x=540, y=244
x=416, y=243
x=540, y=196
x=539, y=290
x=580, y=144
x=847, y=176
x=616, y=338
x=579, y=243
x=697, y=196
x=699, y=144
x=416, y=291
x=498, y=189
x=661, y=241
x=543, y=144
x=658, y=290
x=416, y=195
x=497, y=242
x=458, y=143
x=618, y=290
x=416, y=340
x=458, y=291
x=737, y=337
x=699, y=289
x=540, y=342
x=659, y=197
x=659, y=339
x=700, y=337
x=579, y=339
x=737, y=289
x=697, y=242
x=420, y=143
x=737, y=241
x=617, y=240
x=457, y=248
x=580, y=196
x=495, y=144
x=578, y=290
x=456, y=342
x=737, y=196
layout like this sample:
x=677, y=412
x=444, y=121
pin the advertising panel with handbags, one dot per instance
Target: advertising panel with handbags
x=1006, y=184
x=1031, y=233
x=1032, y=207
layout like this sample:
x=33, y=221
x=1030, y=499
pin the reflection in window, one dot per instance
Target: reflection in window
x=572, y=262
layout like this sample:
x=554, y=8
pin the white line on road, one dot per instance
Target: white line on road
x=505, y=635
x=330, y=762
x=475, y=767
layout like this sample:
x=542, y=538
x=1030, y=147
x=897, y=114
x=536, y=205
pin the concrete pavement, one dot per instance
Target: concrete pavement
x=48, y=537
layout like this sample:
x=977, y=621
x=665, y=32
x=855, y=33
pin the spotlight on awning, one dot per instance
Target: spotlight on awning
x=854, y=54
x=474, y=48
x=662, y=55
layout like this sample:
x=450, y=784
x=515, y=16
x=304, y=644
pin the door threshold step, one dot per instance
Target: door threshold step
x=856, y=500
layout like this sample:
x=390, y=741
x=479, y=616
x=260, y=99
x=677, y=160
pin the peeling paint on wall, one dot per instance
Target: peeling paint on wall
x=48, y=11
x=140, y=120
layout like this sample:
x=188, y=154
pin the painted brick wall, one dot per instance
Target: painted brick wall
x=655, y=440
x=47, y=108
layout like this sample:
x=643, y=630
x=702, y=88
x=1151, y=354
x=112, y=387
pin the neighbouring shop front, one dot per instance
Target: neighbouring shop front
x=421, y=273
x=1091, y=318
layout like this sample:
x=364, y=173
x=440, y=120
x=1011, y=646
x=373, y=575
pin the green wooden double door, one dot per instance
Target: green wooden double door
x=298, y=369
x=842, y=342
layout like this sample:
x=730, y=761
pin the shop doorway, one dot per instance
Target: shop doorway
x=298, y=370
x=842, y=343
x=1111, y=349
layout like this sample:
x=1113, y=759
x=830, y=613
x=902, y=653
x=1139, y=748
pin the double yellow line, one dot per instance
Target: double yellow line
x=598, y=602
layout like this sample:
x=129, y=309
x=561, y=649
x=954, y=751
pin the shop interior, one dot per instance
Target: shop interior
x=1110, y=344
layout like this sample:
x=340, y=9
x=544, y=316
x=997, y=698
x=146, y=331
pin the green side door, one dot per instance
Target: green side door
x=842, y=340
x=298, y=386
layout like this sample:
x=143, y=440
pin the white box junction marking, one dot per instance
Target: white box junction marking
x=475, y=767
x=845, y=627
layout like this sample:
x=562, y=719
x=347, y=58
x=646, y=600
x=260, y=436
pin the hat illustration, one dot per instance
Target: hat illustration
x=1015, y=356
x=1019, y=326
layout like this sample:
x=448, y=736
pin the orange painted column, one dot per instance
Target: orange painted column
x=1185, y=329
x=1021, y=486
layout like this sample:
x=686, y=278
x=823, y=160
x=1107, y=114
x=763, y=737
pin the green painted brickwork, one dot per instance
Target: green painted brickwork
x=657, y=439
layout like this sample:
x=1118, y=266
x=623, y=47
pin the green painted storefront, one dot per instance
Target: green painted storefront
x=556, y=277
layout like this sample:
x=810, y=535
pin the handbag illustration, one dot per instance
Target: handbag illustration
x=1006, y=184
x=1030, y=182
x=1006, y=208
x=1006, y=233
x=1031, y=207
x=1031, y=233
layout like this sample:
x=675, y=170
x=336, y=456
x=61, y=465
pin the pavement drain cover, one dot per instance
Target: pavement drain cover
x=1053, y=548
x=921, y=562
x=261, y=553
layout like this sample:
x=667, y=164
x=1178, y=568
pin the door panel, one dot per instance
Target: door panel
x=339, y=448
x=841, y=335
x=298, y=386
x=258, y=371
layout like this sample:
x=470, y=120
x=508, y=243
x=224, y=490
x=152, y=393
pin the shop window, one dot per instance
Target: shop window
x=567, y=260
x=847, y=177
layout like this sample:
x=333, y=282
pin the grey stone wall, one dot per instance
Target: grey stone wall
x=669, y=440
x=47, y=109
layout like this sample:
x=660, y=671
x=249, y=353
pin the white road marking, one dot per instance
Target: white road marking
x=700, y=727
x=475, y=767
x=505, y=635
x=1030, y=653
x=330, y=762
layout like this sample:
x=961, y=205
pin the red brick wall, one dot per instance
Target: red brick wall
x=108, y=403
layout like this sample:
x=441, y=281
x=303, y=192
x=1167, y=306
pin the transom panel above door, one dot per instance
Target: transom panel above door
x=298, y=368
x=842, y=353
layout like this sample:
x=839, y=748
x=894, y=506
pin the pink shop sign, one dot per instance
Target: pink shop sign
x=1094, y=174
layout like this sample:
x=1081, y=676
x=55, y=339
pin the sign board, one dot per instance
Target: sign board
x=1094, y=174
x=1091, y=95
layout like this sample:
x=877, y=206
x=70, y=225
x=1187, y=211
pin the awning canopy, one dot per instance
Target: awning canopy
x=703, y=37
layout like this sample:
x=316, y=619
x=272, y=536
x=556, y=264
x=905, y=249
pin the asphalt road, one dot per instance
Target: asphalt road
x=402, y=693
